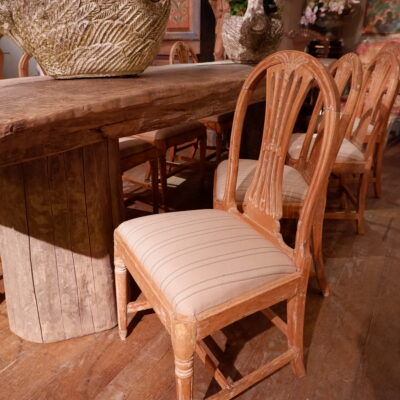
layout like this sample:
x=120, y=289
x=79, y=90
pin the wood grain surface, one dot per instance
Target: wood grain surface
x=41, y=116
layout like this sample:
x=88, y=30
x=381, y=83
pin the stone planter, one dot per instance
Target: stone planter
x=87, y=38
x=250, y=38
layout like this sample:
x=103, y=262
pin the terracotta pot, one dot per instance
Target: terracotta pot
x=87, y=38
x=250, y=38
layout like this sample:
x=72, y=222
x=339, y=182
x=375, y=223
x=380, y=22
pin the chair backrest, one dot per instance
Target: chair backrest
x=287, y=76
x=183, y=52
x=377, y=95
x=23, y=66
x=302, y=37
x=348, y=74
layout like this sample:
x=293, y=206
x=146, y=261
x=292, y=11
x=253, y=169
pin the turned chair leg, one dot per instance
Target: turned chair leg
x=184, y=343
x=121, y=284
x=295, y=325
x=154, y=184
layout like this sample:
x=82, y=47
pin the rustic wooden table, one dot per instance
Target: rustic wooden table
x=60, y=186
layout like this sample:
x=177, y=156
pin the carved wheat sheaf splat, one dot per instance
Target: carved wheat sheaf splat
x=87, y=37
x=286, y=88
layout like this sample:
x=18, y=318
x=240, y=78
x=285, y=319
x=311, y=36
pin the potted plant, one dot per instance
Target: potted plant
x=327, y=15
x=251, y=30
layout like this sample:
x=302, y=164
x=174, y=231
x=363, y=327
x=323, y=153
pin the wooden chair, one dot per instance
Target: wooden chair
x=302, y=37
x=182, y=52
x=219, y=266
x=220, y=124
x=177, y=138
x=356, y=155
x=376, y=172
x=295, y=181
x=133, y=152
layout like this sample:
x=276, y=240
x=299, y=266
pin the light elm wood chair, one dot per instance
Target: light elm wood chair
x=346, y=71
x=219, y=266
x=376, y=172
x=221, y=124
x=369, y=120
x=177, y=138
x=134, y=152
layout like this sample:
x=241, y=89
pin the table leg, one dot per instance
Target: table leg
x=57, y=216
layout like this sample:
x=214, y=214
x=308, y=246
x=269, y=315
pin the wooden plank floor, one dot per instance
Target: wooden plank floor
x=352, y=338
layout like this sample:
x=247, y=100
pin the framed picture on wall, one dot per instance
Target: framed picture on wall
x=382, y=17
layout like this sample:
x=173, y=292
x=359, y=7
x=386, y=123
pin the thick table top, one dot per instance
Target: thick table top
x=41, y=116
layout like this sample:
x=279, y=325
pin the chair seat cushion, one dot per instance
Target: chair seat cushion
x=129, y=146
x=348, y=152
x=203, y=258
x=172, y=131
x=294, y=188
x=219, y=118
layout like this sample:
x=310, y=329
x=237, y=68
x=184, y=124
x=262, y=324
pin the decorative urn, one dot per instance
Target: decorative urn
x=87, y=38
x=249, y=38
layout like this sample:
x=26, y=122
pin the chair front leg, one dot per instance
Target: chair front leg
x=295, y=327
x=121, y=284
x=183, y=337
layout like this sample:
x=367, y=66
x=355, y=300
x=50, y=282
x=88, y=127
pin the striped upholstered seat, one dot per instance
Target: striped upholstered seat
x=210, y=258
x=348, y=152
x=294, y=188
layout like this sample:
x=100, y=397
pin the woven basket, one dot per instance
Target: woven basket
x=87, y=38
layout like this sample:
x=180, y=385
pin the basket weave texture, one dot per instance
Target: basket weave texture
x=87, y=38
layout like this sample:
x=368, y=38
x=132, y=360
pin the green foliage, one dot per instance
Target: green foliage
x=238, y=7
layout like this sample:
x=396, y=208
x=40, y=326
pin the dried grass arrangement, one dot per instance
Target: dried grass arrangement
x=87, y=38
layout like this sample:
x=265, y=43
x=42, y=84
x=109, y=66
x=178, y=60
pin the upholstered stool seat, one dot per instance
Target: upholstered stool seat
x=211, y=257
x=348, y=152
x=294, y=188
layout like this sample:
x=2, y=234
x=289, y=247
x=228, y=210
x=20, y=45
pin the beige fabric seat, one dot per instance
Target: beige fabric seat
x=210, y=258
x=294, y=188
x=129, y=146
x=348, y=151
x=172, y=131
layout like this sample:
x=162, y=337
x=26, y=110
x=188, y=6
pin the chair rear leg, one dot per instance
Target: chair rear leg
x=378, y=170
x=362, y=195
x=162, y=163
x=317, y=232
x=154, y=184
